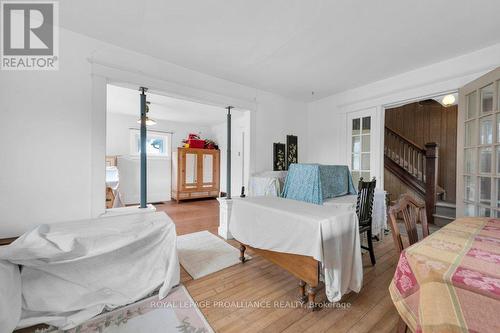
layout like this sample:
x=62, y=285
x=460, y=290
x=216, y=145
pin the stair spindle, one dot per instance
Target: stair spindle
x=417, y=166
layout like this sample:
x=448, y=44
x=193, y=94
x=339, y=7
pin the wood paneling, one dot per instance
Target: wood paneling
x=423, y=122
x=396, y=187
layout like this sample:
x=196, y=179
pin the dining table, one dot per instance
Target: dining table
x=450, y=281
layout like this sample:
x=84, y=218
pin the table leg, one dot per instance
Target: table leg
x=311, y=295
x=302, y=291
x=242, y=253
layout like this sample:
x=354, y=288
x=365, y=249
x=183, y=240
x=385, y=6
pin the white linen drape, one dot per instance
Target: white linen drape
x=72, y=271
x=330, y=234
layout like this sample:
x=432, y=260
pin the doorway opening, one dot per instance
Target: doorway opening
x=176, y=127
x=420, y=154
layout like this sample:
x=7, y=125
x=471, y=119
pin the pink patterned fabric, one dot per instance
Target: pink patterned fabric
x=404, y=278
x=450, y=281
x=484, y=255
x=488, y=239
x=476, y=281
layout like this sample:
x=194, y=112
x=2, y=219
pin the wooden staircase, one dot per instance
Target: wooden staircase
x=416, y=167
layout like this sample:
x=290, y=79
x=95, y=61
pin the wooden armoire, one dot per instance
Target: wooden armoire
x=195, y=173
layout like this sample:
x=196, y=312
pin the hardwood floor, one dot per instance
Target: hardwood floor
x=193, y=215
x=269, y=292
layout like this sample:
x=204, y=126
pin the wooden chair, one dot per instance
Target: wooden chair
x=364, y=209
x=412, y=211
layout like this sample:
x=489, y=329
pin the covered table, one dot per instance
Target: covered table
x=113, y=182
x=328, y=234
x=315, y=183
x=450, y=281
x=379, y=214
x=267, y=183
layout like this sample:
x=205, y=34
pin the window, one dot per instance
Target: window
x=360, y=148
x=481, y=164
x=157, y=143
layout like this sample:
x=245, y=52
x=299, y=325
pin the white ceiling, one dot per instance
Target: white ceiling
x=127, y=101
x=291, y=47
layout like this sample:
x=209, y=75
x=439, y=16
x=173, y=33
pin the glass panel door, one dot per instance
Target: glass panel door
x=361, y=148
x=208, y=168
x=191, y=177
x=481, y=148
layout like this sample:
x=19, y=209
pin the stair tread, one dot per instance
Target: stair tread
x=444, y=217
x=446, y=204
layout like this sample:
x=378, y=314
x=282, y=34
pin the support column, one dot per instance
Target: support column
x=143, y=184
x=225, y=205
x=431, y=178
x=228, y=157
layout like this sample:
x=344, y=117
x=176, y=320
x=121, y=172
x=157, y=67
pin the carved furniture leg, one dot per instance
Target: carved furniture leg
x=311, y=295
x=242, y=253
x=302, y=291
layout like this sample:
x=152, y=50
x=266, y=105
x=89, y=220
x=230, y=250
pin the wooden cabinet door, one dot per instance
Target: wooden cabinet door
x=189, y=170
x=209, y=164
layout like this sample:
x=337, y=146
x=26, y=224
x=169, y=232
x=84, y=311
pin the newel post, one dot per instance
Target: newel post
x=431, y=178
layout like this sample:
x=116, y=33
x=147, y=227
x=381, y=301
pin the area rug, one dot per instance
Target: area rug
x=175, y=313
x=202, y=253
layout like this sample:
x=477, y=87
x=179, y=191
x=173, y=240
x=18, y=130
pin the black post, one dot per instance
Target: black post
x=228, y=161
x=143, y=149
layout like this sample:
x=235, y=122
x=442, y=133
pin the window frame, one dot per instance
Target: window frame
x=135, y=143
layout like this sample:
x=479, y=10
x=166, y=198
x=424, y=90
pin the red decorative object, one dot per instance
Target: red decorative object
x=196, y=143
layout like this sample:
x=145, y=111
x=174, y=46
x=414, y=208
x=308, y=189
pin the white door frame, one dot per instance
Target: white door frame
x=104, y=74
x=376, y=141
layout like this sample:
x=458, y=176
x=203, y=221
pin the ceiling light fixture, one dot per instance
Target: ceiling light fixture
x=149, y=121
x=448, y=100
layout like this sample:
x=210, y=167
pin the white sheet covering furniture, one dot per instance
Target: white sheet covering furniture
x=10, y=296
x=159, y=179
x=329, y=234
x=267, y=183
x=379, y=214
x=72, y=271
x=113, y=182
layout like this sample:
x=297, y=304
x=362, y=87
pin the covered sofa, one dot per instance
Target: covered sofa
x=65, y=273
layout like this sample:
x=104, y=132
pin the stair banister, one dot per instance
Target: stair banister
x=419, y=166
x=431, y=177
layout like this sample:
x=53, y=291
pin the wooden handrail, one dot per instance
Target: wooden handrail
x=418, y=166
x=411, y=143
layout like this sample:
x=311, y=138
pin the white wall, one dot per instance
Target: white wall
x=45, y=141
x=118, y=132
x=51, y=166
x=327, y=123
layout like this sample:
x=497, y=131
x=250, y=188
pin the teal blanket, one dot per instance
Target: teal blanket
x=314, y=182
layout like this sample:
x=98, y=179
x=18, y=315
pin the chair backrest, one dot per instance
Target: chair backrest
x=412, y=211
x=364, y=206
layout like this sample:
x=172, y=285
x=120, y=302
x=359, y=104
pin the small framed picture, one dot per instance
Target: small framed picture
x=279, y=157
x=292, y=152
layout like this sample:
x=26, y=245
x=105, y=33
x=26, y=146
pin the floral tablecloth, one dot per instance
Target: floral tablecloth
x=450, y=281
